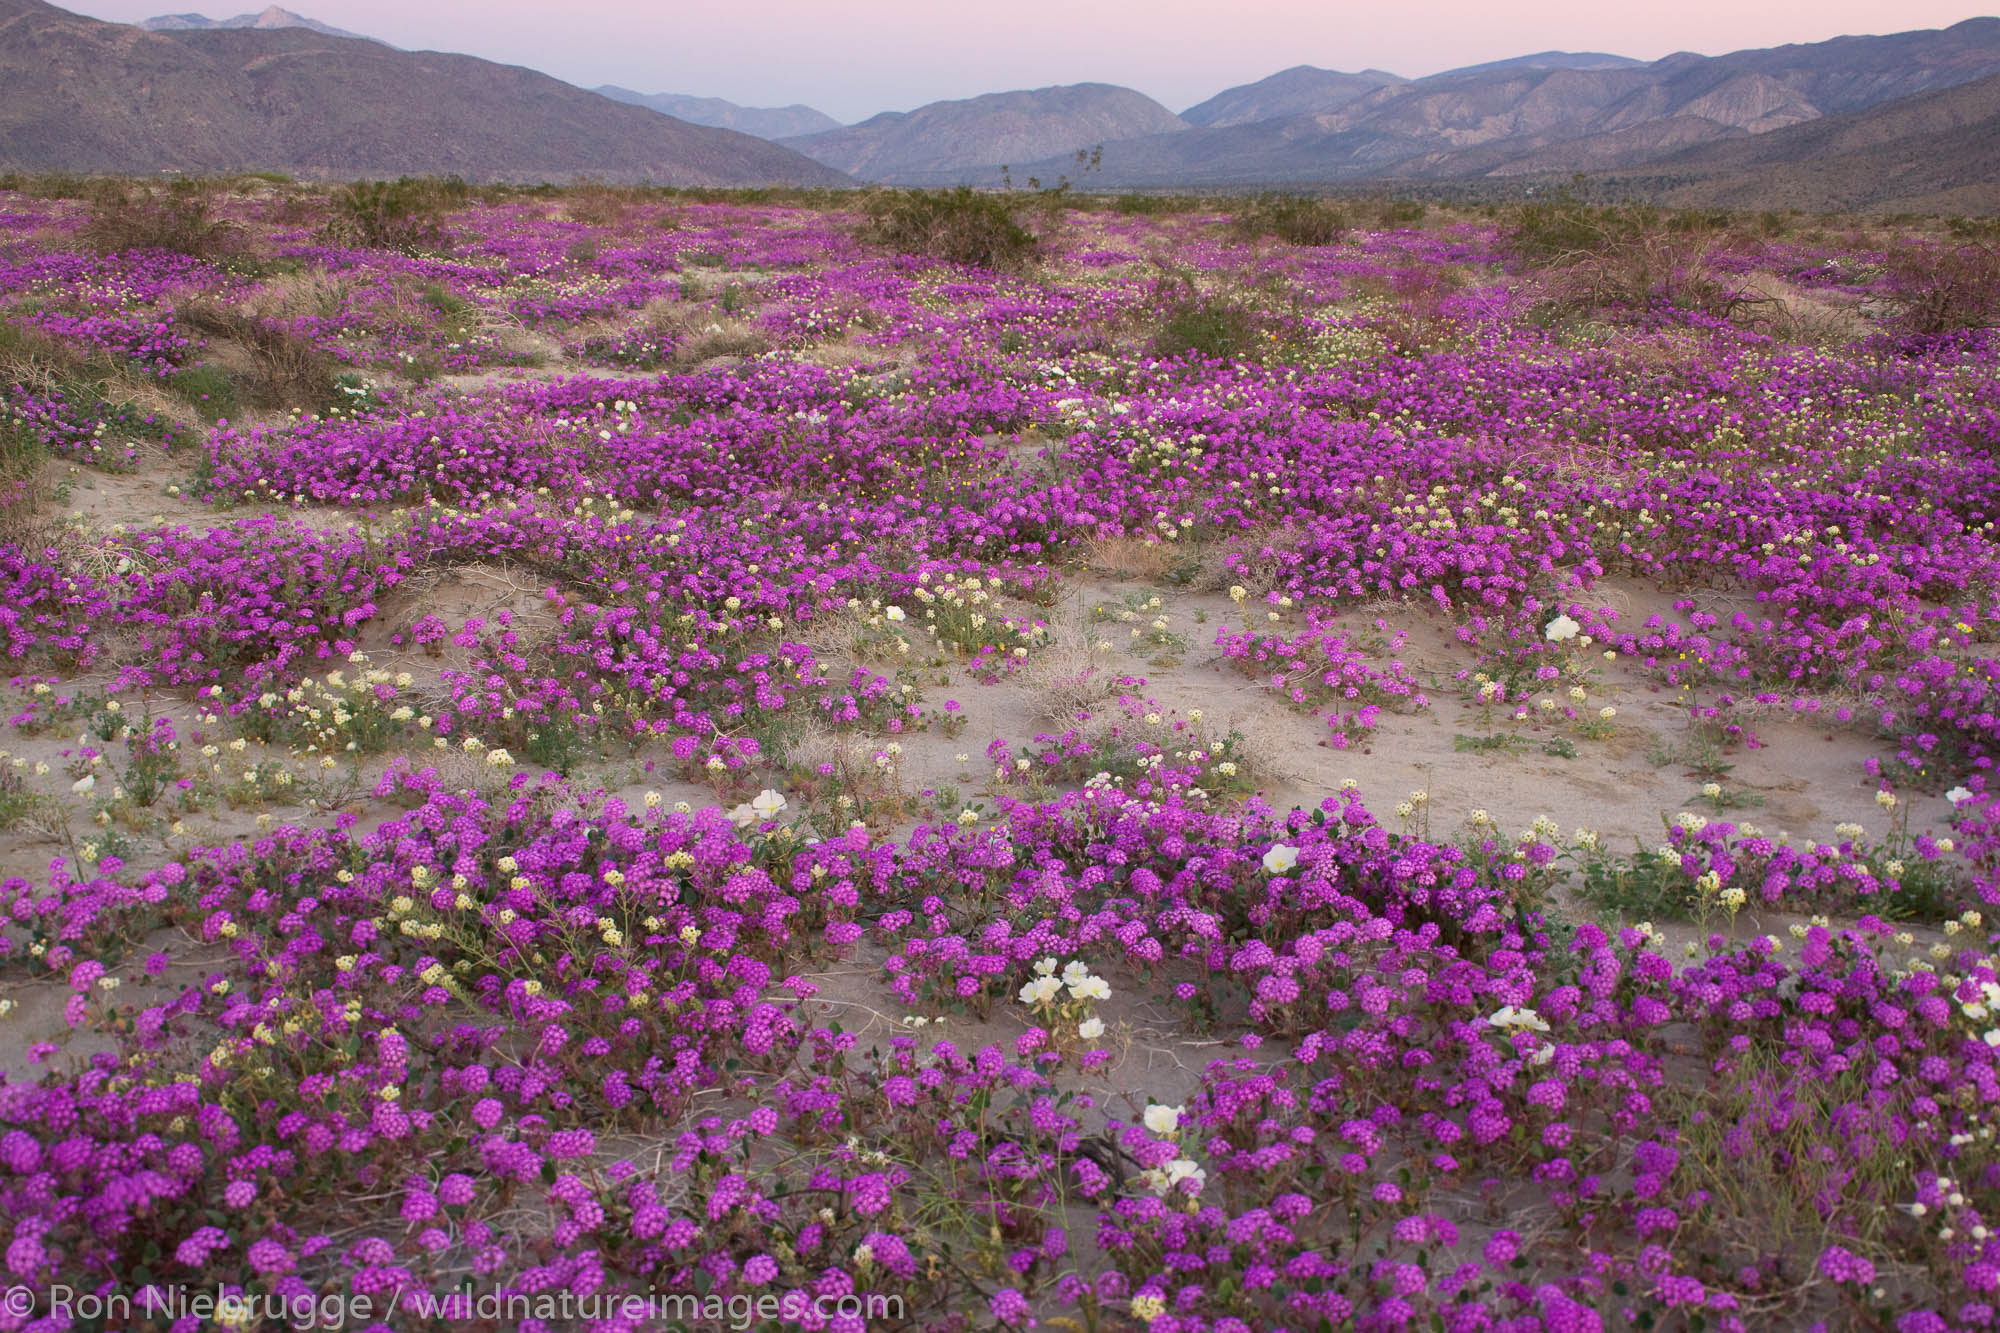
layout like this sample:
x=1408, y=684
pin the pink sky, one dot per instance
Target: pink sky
x=852, y=60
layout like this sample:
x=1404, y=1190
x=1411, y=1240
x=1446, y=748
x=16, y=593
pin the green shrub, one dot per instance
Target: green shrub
x=1210, y=325
x=1550, y=230
x=1293, y=219
x=1973, y=229
x=960, y=226
x=65, y=185
x=206, y=389
x=405, y=215
x=1393, y=213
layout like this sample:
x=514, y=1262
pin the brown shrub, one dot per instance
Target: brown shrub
x=289, y=370
x=1942, y=289
x=178, y=223
x=1649, y=268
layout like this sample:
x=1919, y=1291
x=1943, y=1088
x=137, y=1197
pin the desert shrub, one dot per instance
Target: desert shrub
x=406, y=215
x=1647, y=269
x=28, y=356
x=1420, y=316
x=180, y=223
x=720, y=342
x=596, y=204
x=1555, y=229
x=960, y=226
x=291, y=371
x=21, y=457
x=1973, y=229
x=65, y=185
x=206, y=389
x=1699, y=220
x=1293, y=219
x=1773, y=224
x=1211, y=325
x=1154, y=205
x=1389, y=214
x=1942, y=289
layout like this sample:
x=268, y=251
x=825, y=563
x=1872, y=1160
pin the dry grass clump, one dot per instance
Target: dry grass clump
x=1068, y=676
x=718, y=340
x=596, y=204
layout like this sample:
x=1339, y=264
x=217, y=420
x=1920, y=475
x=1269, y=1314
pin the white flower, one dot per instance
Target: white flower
x=1509, y=1017
x=742, y=816
x=1163, y=1119
x=1090, y=1029
x=1090, y=988
x=84, y=783
x=767, y=804
x=1561, y=628
x=1281, y=858
x=1180, y=1172
x=1958, y=795
x=893, y=613
x=1040, y=991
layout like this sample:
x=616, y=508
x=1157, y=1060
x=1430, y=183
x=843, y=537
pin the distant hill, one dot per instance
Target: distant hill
x=1547, y=60
x=766, y=122
x=1298, y=91
x=1552, y=113
x=271, y=17
x=83, y=95
x=938, y=143
x=1937, y=152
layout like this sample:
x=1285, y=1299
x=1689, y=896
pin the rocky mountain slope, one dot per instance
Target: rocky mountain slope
x=270, y=17
x=1554, y=113
x=82, y=95
x=938, y=142
x=1937, y=152
x=1300, y=90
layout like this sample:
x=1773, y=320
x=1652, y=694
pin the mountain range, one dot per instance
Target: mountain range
x=1937, y=152
x=1544, y=114
x=950, y=139
x=1878, y=121
x=766, y=122
x=270, y=17
x=81, y=95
